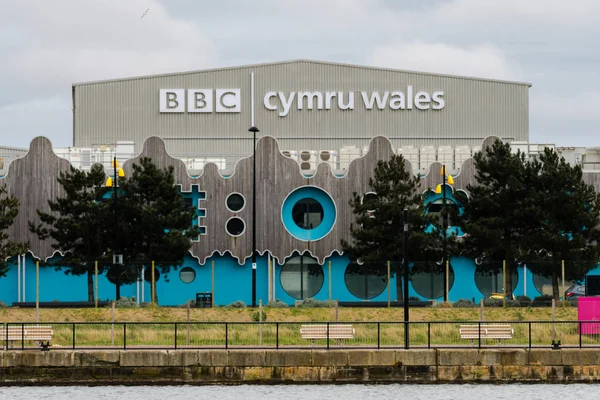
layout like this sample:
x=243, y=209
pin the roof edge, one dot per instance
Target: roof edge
x=338, y=64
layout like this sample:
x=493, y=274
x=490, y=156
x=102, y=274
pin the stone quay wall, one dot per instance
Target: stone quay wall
x=140, y=367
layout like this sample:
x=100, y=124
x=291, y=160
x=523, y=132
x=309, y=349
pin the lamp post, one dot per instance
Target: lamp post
x=405, y=266
x=117, y=258
x=442, y=189
x=254, y=130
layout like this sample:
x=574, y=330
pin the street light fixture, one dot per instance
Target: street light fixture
x=117, y=258
x=254, y=130
x=441, y=189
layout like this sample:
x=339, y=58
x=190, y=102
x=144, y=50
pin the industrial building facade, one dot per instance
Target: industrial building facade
x=317, y=108
x=323, y=128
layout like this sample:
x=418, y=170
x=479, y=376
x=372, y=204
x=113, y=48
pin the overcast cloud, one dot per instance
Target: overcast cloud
x=46, y=45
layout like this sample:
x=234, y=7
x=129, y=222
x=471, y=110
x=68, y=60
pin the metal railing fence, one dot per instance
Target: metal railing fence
x=287, y=335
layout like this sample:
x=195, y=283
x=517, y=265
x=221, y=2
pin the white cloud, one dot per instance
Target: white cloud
x=48, y=45
x=74, y=40
x=486, y=61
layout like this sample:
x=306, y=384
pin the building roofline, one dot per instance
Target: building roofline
x=299, y=61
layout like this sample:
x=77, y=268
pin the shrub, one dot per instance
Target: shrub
x=125, y=302
x=524, y=301
x=256, y=316
x=237, y=304
x=463, y=303
x=513, y=303
x=3, y=304
x=493, y=303
x=277, y=304
x=312, y=303
x=542, y=301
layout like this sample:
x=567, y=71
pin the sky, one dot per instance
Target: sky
x=46, y=45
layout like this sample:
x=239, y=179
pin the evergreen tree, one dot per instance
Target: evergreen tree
x=377, y=234
x=9, y=209
x=568, y=212
x=499, y=215
x=155, y=224
x=77, y=222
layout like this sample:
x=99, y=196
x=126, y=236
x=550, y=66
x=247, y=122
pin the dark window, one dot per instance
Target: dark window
x=489, y=278
x=428, y=279
x=235, y=202
x=307, y=213
x=366, y=281
x=301, y=277
x=235, y=226
x=435, y=210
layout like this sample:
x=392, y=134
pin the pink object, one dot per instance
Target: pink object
x=588, y=309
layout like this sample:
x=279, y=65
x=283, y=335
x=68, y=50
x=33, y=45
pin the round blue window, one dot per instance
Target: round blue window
x=308, y=213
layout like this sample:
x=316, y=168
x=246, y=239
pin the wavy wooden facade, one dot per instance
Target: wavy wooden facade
x=32, y=179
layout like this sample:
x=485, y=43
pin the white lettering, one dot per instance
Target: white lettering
x=438, y=100
x=422, y=100
x=328, y=97
x=199, y=100
x=267, y=101
x=287, y=103
x=409, y=97
x=228, y=100
x=375, y=97
x=349, y=105
x=397, y=101
x=172, y=100
x=310, y=96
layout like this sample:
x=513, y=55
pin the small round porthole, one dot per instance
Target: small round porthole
x=187, y=275
x=235, y=226
x=235, y=202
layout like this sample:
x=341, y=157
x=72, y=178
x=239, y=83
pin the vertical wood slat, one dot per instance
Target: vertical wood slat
x=33, y=180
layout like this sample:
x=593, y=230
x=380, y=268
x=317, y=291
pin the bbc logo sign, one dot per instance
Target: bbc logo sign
x=200, y=100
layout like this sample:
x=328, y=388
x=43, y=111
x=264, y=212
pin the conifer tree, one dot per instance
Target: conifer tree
x=377, y=234
x=77, y=224
x=9, y=209
x=155, y=224
x=498, y=217
x=568, y=212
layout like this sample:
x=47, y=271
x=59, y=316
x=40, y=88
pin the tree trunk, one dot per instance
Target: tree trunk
x=555, y=291
x=509, y=285
x=90, y=284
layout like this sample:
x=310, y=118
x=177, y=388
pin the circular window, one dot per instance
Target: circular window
x=235, y=202
x=148, y=274
x=308, y=213
x=235, y=226
x=428, y=279
x=489, y=279
x=187, y=275
x=301, y=277
x=366, y=281
x=370, y=200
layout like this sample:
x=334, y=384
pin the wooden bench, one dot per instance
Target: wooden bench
x=40, y=334
x=486, y=331
x=336, y=332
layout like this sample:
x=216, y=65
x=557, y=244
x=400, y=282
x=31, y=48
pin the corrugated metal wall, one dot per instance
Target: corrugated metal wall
x=106, y=112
